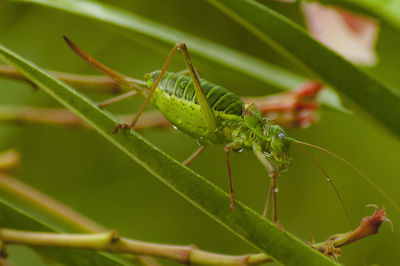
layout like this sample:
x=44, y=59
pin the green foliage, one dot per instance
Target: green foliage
x=191, y=186
x=81, y=169
x=141, y=29
x=376, y=98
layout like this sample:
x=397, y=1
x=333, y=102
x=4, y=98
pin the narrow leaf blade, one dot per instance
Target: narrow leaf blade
x=244, y=222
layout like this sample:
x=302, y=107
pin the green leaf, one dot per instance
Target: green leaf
x=244, y=222
x=12, y=217
x=132, y=25
x=378, y=99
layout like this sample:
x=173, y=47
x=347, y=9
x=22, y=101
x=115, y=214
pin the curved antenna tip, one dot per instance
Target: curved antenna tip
x=358, y=171
x=66, y=39
x=330, y=182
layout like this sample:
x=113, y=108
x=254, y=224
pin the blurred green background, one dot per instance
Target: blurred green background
x=79, y=168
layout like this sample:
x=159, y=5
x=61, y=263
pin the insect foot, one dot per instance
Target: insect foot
x=280, y=226
x=233, y=203
x=116, y=129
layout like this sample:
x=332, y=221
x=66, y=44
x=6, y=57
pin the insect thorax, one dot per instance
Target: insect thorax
x=267, y=138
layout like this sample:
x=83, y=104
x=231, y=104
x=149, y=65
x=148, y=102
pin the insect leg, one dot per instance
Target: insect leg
x=272, y=173
x=194, y=156
x=201, y=96
x=116, y=99
x=266, y=208
x=205, y=107
x=183, y=72
x=153, y=89
x=228, y=149
x=187, y=72
x=114, y=75
x=274, y=190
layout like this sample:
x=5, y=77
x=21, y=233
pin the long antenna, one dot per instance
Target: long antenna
x=330, y=182
x=369, y=180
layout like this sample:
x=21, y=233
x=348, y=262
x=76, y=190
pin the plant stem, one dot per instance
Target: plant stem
x=9, y=160
x=112, y=242
x=295, y=108
x=56, y=116
x=56, y=209
x=84, y=82
x=369, y=226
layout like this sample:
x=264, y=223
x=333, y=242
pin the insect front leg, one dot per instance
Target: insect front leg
x=266, y=207
x=273, y=189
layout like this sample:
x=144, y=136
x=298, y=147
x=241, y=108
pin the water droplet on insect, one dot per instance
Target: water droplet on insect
x=328, y=179
x=174, y=127
x=276, y=190
x=240, y=150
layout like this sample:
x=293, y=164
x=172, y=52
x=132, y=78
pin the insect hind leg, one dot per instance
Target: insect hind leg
x=206, y=109
x=116, y=99
x=114, y=75
x=192, y=157
x=123, y=80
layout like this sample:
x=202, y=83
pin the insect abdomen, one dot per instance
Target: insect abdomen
x=175, y=98
x=181, y=87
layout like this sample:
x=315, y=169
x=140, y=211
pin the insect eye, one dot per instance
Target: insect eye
x=281, y=135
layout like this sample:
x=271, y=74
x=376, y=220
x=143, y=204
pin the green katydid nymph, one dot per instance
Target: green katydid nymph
x=212, y=115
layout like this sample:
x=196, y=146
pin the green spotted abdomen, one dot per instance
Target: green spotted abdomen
x=175, y=98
